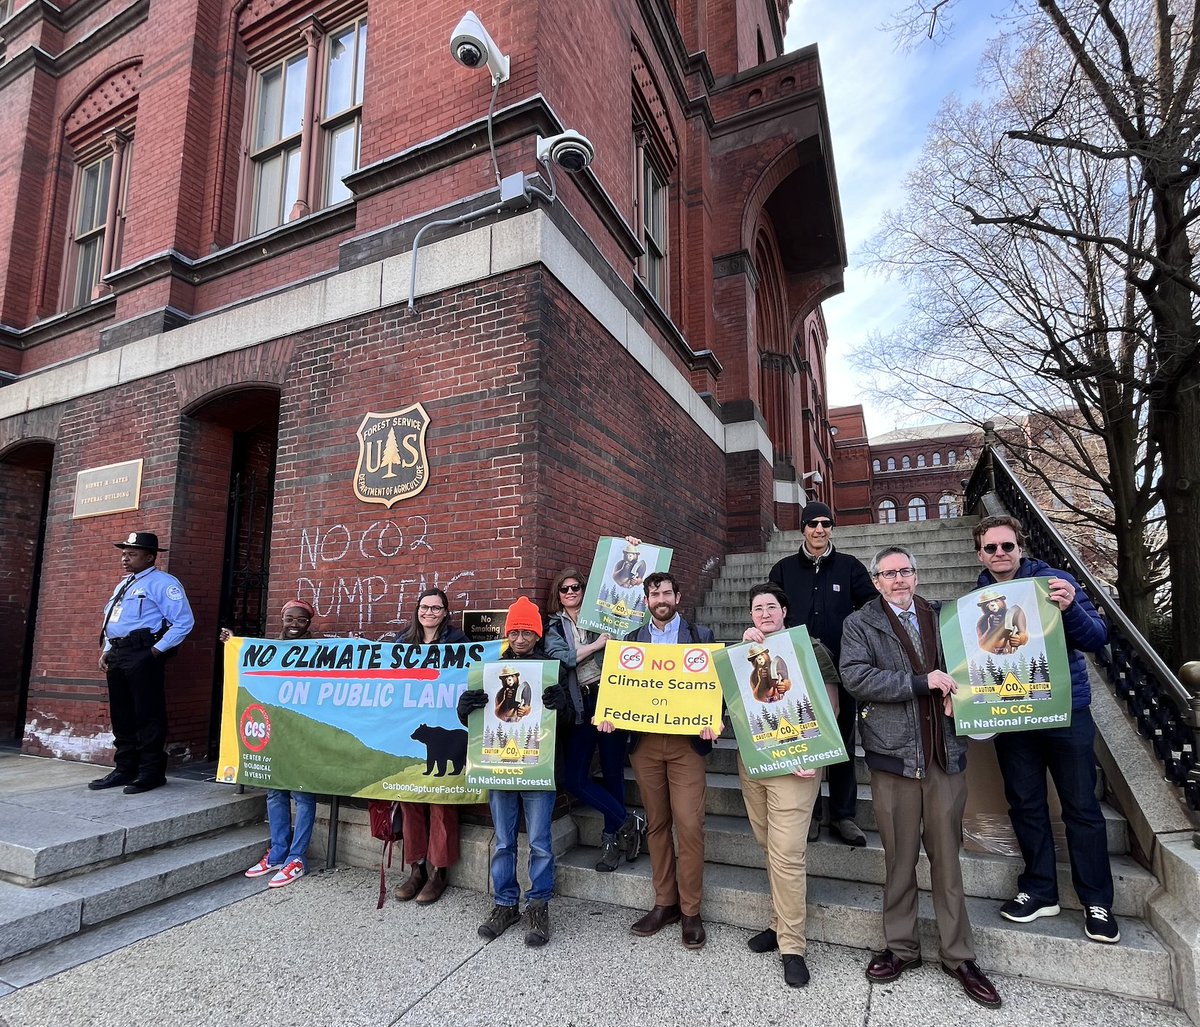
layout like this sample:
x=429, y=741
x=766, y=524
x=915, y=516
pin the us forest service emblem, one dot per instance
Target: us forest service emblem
x=392, y=462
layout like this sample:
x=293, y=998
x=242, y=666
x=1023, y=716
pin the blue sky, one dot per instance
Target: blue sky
x=880, y=102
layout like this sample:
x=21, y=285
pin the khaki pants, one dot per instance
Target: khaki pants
x=670, y=777
x=780, y=809
x=911, y=812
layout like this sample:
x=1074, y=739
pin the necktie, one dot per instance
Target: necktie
x=909, y=620
x=115, y=603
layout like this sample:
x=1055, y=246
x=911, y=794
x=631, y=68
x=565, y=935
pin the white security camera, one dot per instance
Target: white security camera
x=570, y=150
x=471, y=46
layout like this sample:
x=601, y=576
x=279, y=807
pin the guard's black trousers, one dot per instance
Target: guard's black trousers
x=138, y=704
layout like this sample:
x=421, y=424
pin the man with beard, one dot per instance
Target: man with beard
x=823, y=588
x=670, y=776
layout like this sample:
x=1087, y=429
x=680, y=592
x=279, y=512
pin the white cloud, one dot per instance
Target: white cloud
x=880, y=103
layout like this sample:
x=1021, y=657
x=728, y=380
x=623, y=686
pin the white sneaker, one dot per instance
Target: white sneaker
x=263, y=867
x=287, y=875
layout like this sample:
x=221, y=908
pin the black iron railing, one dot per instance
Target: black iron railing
x=1166, y=712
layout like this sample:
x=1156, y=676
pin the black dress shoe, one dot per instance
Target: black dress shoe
x=113, y=779
x=765, y=941
x=795, y=971
x=654, y=921
x=977, y=987
x=693, y=932
x=143, y=786
x=887, y=966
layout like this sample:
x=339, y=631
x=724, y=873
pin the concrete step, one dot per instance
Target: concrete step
x=51, y=833
x=1052, y=950
x=730, y=841
x=723, y=798
x=33, y=917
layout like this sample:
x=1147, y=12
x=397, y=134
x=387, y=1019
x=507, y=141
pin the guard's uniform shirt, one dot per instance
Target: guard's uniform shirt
x=154, y=596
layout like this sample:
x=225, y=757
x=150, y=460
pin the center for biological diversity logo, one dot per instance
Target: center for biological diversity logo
x=255, y=728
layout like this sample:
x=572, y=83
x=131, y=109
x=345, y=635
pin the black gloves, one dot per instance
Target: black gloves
x=476, y=699
x=555, y=697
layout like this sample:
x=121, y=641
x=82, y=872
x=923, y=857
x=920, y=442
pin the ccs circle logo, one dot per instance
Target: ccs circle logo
x=696, y=660
x=631, y=658
x=256, y=728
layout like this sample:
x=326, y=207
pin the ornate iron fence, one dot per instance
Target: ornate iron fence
x=1166, y=712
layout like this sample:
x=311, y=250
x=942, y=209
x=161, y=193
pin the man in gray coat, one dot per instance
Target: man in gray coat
x=892, y=662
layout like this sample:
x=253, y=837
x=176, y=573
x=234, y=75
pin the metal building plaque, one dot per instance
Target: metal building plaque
x=113, y=488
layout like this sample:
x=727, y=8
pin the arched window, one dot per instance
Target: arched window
x=950, y=457
x=966, y=454
x=905, y=463
x=916, y=509
x=875, y=465
x=937, y=459
x=947, y=507
x=887, y=512
x=920, y=459
x=891, y=463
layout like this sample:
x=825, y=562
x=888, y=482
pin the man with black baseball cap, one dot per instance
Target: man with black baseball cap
x=823, y=588
x=146, y=617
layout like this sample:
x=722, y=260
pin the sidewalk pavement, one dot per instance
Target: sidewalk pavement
x=318, y=952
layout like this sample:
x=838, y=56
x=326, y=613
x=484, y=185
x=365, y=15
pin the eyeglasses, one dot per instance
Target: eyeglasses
x=570, y=588
x=904, y=572
x=430, y=609
x=820, y=522
x=991, y=547
x=766, y=608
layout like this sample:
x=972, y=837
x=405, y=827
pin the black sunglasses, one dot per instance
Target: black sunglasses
x=820, y=522
x=991, y=547
x=571, y=588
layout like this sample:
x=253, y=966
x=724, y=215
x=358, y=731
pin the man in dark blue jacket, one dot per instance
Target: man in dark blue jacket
x=1067, y=753
x=823, y=588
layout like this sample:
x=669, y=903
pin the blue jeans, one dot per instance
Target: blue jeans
x=539, y=808
x=1067, y=753
x=290, y=842
x=609, y=798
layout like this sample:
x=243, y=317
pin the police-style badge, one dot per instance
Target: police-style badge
x=392, y=461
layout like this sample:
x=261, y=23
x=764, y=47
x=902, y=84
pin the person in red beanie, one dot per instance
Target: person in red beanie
x=523, y=631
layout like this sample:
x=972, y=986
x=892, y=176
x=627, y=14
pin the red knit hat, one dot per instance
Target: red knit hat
x=523, y=615
x=299, y=604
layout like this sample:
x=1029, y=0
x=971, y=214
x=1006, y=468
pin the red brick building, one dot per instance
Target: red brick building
x=908, y=474
x=210, y=207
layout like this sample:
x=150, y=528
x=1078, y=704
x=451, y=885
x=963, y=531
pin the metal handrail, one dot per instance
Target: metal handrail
x=1167, y=713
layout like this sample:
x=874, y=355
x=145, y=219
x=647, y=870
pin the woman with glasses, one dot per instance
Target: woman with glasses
x=430, y=829
x=780, y=808
x=580, y=653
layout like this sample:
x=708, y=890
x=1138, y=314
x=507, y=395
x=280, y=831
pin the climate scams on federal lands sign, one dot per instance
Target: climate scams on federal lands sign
x=778, y=705
x=1006, y=649
x=661, y=689
x=615, y=602
x=510, y=742
x=348, y=717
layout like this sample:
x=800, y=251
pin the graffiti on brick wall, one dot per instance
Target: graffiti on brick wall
x=375, y=599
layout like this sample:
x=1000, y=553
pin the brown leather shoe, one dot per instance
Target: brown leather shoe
x=977, y=987
x=411, y=886
x=655, y=921
x=887, y=966
x=693, y=932
x=433, y=887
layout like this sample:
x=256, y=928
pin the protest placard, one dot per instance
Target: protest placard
x=661, y=689
x=511, y=741
x=615, y=602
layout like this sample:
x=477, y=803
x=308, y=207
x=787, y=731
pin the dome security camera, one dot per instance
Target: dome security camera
x=471, y=46
x=570, y=150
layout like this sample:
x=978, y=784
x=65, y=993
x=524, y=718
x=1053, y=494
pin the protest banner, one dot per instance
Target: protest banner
x=511, y=741
x=375, y=720
x=615, y=602
x=1006, y=649
x=778, y=705
x=661, y=689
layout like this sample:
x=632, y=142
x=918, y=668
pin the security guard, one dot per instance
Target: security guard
x=147, y=616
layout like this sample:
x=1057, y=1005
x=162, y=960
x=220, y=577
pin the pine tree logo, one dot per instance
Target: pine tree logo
x=393, y=463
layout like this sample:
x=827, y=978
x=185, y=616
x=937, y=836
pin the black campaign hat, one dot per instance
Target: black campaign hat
x=141, y=540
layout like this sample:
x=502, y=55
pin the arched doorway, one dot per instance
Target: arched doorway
x=24, y=494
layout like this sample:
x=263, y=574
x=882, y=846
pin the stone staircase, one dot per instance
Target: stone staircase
x=72, y=859
x=944, y=553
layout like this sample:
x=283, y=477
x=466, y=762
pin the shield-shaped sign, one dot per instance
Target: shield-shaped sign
x=392, y=461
